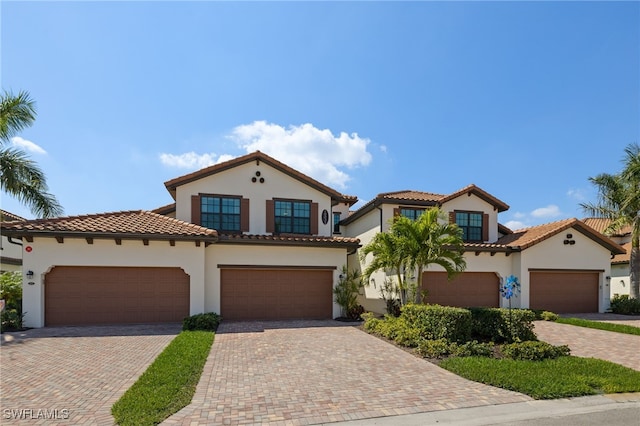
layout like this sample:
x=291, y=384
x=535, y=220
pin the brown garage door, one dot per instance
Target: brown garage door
x=77, y=295
x=465, y=290
x=248, y=294
x=564, y=292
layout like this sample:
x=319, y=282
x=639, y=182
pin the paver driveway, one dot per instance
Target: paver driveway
x=73, y=375
x=320, y=371
x=620, y=348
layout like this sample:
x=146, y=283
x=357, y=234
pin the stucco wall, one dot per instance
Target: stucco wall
x=47, y=252
x=475, y=204
x=620, y=283
x=225, y=254
x=552, y=253
x=237, y=181
x=12, y=251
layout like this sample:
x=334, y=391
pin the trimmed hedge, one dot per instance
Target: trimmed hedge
x=208, y=322
x=502, y=325
x=534, y=351
x=435, y=322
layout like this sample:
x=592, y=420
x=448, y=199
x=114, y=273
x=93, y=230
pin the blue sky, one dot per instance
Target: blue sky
x=526, y=100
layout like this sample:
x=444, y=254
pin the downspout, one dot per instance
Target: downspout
x=10, y=239
x=378, y=207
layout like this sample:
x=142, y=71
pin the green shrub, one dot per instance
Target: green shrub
x=208, y=321
x=474, y=348
x=625, y=305
x=346, y=293
x=438, y=322
x=11, y=291
x=502, y=325
x=549, y=316
x=406, y=335
x=11, y=320
x=439, y=348
x=534, y=351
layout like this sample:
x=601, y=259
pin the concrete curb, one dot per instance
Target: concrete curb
x=509, y=413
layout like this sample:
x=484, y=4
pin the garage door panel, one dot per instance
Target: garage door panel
x=276, y=294
x=565, y=291
x=465, y=290
x=77, y=295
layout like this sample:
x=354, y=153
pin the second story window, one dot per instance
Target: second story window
x=336, y=222
x=471, y=225
x=412, y=214
x=292, y=217
x=220, y=213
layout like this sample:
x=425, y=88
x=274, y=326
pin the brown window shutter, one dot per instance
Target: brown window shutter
x=485, y=227
x=270, y=217
x=396, y=212
x=452, y=217
x=314, y=218
x=195, y=209
x=244, y=215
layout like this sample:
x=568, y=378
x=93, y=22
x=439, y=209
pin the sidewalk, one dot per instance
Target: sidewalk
x=519, y=412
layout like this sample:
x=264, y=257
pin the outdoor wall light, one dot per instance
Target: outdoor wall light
x=30, y=274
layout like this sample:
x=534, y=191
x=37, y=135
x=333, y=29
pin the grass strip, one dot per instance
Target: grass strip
x=549, y=379
x=168, y=384
x=618, y=328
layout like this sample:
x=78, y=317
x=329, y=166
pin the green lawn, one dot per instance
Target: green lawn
x=618, y=328
x=168, y=384
x=552, y=378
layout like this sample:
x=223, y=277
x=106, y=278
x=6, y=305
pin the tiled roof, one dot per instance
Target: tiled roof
x=6, y=216
x=172, y=184
x=527, y=237
x=290, y=240
x=164, y=210
x=124, y=224
x=419, y=198
x=479, y=192
x=601, y=224
x=410, y=195
x=625, y=257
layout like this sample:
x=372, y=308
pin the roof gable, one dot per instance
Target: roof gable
x=528, y=237
x=258, y=157
x=480, y=193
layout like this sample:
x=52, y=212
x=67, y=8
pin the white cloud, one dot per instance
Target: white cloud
x=189, y=160
x=27, y=145
x=383, y=148
x=315, y=152
x=547, y=212
x=577, y=194
x=535, y=217
x=515, y=224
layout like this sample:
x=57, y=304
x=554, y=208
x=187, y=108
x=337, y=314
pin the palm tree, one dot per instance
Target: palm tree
x=20, y=176
x=414, y=245
x=619, y=201
x=428, y=240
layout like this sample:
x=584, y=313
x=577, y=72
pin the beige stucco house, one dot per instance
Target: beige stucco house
x=10, y=249
x=252, y=238
x=620, y=282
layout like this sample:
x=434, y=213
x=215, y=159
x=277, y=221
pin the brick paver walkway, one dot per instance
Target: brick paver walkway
x=313, y=372
x=73, y=375
x=585, y=342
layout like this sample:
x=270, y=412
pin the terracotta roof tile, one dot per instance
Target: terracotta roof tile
x=601, y=224
x=6, y=216
x=473, y=189
x=289, y=239
x=527, y=237
x=625, y=257
x=139, y=223
x=411, y=195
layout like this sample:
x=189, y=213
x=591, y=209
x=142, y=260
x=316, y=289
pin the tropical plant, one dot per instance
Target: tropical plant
x=346, y=292
x=20, y=176
x=428, y=240
x=619, y=201
x=413, y=245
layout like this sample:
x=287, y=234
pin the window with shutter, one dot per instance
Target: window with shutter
x=474, y=225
